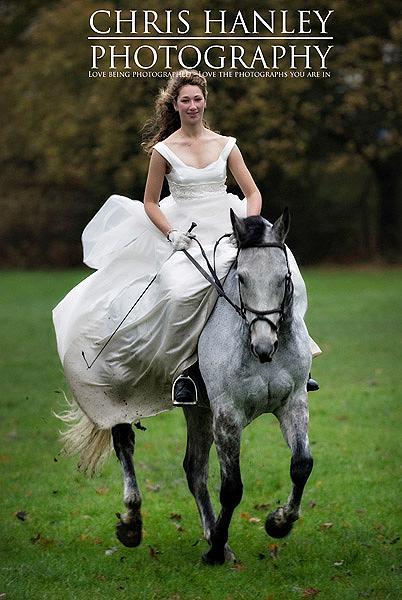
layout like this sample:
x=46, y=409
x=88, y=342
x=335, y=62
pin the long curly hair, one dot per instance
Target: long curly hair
x=166, y=119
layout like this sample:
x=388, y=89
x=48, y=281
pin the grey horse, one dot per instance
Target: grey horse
x=247, y=367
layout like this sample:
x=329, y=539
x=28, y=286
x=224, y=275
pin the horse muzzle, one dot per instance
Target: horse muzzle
x=264, y=352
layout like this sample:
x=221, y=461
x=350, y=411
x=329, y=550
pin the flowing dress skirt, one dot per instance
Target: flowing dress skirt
x=132, y=376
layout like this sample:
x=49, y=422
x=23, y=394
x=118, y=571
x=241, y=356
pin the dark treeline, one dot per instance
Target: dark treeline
x=329, y=148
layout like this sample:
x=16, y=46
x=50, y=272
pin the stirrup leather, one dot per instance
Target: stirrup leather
x=189, y=380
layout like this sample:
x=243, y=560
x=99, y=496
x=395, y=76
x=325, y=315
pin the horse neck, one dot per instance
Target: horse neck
x=231, y=286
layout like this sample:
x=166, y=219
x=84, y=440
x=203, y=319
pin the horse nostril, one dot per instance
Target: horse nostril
x=262, y=354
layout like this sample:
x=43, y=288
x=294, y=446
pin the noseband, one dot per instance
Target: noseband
x=261, y=315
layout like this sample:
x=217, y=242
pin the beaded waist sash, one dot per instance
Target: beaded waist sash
x=187, y=192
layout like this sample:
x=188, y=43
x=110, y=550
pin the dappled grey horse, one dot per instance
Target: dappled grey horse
x=247, y=366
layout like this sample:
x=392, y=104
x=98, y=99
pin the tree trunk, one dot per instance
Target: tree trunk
x=388, y=177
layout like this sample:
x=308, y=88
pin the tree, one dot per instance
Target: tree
x=69, y=140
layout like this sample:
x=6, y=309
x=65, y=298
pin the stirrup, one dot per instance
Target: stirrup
x=312, y=385
x=189, y=380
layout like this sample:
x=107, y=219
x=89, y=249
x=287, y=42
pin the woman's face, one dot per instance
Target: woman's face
x=190, y=104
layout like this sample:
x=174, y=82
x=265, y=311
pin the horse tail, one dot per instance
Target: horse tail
x=83, y=437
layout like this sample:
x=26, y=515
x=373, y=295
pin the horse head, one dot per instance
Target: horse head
x=265, y=285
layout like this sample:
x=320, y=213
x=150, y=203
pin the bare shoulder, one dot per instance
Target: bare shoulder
x=216, y=139
x=171, y=138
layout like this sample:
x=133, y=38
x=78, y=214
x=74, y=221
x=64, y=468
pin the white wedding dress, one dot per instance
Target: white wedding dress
x=132, y=376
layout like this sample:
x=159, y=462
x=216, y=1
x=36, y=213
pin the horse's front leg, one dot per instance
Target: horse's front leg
x=129, y=526
x=227, y=435
x=293, y=418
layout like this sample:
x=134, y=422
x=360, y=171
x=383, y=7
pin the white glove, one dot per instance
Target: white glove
x=179, y=239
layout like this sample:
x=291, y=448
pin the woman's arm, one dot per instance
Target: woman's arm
x=245, y=181
x=152, y=193
x=153, y=187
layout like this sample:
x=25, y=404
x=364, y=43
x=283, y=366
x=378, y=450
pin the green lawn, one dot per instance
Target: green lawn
x=346, y=545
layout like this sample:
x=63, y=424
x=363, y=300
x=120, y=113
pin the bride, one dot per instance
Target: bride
x=143, y=279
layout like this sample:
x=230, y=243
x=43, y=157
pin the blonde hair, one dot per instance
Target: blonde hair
x=166, y=119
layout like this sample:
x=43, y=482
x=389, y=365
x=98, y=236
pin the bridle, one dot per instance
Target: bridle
x=261, y=315
x=212, y=277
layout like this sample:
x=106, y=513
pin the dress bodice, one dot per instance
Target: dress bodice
x=186, y=182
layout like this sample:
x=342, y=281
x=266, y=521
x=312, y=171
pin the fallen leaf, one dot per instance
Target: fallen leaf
x=151, y=486
x=238, y=566
x=179, y=527
x=102, y=491
x=324, y=526
x=273, y=550
x=21, y=515
x=254, y=520
x=175, y=517
x=111, y=551
x=338, y=563
x=101, y=578
x=153, y=552
x=84, y=537
x=310, y=592
x=312, y=504
x=262, y=506
x=245, y=515
x=43, y=541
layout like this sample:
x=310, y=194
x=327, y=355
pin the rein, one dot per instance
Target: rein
x=213, y=279
x=260, y=315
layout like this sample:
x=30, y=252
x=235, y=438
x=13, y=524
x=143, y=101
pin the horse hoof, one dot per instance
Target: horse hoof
x=229, y=555
x=211, y=558
x=129, y=532
x=277, y=525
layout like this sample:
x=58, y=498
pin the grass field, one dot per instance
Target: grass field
x=57, y=528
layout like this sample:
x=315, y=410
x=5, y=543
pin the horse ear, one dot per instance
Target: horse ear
x=239, y=228
x=281, y=225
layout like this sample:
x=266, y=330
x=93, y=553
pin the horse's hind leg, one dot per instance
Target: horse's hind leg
x=129, y=527
x=199, y=441
x=293, y=418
